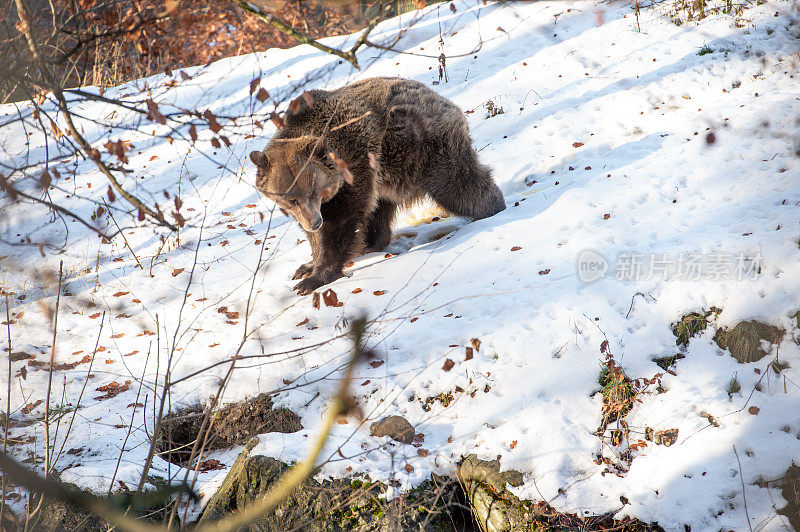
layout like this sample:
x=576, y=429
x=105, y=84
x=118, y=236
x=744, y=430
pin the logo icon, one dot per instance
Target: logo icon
x=591, y=265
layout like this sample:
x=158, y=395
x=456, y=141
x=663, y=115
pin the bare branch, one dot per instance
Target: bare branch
x=352, y=120
x=362, y=40
x=305, y=38
x=55, y=86
x=12, y=191
x=83, y=390
x=48, y=464
x=8, y=404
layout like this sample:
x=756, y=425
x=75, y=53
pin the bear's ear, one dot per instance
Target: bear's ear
x=326, y=193
x=305, y=101
x=258, y=159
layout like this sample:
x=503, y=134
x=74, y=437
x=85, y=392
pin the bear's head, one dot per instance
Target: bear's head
x=299, y=176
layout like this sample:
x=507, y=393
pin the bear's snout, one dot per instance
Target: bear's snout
x=309, y=217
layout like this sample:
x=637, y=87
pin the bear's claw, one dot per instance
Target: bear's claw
x=303, y=271
x=314, y=281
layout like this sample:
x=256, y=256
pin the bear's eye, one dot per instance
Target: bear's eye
x=293, y=203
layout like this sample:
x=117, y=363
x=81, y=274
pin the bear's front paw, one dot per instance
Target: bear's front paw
x=315, y=280
x=303, y=271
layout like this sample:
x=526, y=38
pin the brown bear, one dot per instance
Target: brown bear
x=346, y=160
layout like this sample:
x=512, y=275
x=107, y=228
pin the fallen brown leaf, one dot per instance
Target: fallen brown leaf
x=330, y=299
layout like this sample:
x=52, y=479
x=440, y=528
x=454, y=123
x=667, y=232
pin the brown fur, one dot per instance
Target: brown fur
x=403, y=142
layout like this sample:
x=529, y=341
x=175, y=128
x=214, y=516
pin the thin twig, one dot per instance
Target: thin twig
x=752, y=391
x=157, y=421
x=205, y=432
x=356, y=119
x=94, y=156
x=61, y=414
x=13, y=191
x=47, y=457
x=83, y=389
x=47, y=464
x=362, y=40
x=167, y=374
x=119, y=229
x=130, y=426
x=744, y=495
x=8, y=405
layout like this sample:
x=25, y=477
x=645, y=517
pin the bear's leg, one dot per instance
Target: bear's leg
x=379, y=230
x=305, y=270
x=336, y=243
x=464, y=186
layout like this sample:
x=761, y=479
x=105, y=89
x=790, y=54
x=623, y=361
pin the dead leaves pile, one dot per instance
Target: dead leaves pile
x=112, y=389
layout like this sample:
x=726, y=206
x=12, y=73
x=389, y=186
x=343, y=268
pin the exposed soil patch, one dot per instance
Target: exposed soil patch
x=231, y=425
x=791, y=492
x=667, y=362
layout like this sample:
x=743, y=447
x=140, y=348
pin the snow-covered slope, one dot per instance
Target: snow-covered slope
x=670, y=145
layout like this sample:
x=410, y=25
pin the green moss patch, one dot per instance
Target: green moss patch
x=691, y=324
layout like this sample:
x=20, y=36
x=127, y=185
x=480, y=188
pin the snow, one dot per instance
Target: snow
x=602, y=146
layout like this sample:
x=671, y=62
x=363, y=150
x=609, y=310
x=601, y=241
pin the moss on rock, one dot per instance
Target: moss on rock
x=322, y=506
x=60, y=516
x=494, y=507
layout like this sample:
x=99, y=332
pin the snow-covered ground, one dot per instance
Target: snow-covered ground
x=604, y=155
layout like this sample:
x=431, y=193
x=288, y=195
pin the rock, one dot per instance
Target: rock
x=249, y=478
x=744, y=340
x=494, y=507
x=220, y=503
x=355, y=504
x=396, y=427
